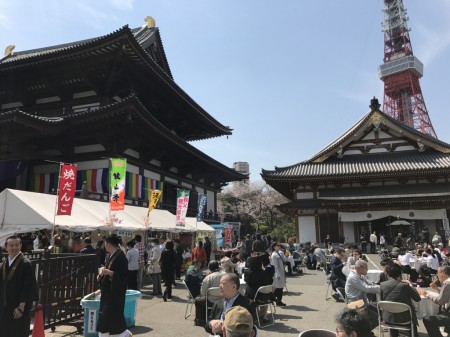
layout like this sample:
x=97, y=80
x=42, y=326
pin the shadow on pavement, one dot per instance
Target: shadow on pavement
x=140, y=330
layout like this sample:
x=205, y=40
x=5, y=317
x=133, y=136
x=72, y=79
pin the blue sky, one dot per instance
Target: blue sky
x=288, y=76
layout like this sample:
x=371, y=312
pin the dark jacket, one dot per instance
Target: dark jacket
x=393, y=290
x=243, y=302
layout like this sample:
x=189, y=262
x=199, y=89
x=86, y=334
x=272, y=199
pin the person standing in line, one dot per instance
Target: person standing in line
x=113, y=284
x=328, y=242
x=373, y=242
x=141, y=249
x=100, y=252
x=179, y=258
x=440, y=296
x=363, y=242
x=167, y=262
x=88, y=249
x=133, y=265
x=18, y=290
x=208, y=247
x=154, y=269
x=279, y=278
x=199, y=253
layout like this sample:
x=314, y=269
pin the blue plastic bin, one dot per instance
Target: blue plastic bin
x=92, y=306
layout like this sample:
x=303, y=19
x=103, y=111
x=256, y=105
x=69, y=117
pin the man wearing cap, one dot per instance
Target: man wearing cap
x=229, y=287
x=238, y=322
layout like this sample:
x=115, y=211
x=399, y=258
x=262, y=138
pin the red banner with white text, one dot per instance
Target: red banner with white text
x=66, y=189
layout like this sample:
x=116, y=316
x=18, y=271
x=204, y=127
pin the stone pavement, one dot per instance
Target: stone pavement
x=306, y=309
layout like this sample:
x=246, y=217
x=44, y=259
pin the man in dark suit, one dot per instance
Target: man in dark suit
x=229, y=287
x=396, y=290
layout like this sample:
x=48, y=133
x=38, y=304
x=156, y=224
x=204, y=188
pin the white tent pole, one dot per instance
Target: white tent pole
x=52, y=239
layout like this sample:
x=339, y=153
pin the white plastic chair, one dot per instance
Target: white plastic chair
x=394, y=308
x=268, y=304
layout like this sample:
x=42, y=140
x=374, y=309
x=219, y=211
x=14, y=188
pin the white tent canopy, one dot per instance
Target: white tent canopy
x=23, y=212
x=199, y=226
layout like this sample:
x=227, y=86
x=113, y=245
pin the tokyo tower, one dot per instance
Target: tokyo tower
x=401, y=71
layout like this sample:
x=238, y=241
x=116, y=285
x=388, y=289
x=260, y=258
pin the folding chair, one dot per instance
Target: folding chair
x=190, y=302
x=318, y=333
x=213, y=291
x=328, y=276
x=342, y=295
x=394, y=308
x=266, y=303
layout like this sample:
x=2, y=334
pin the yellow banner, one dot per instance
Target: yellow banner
x=154, y=197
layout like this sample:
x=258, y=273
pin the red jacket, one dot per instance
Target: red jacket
x=199, y=254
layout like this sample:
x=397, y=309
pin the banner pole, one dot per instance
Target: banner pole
x=52, y=239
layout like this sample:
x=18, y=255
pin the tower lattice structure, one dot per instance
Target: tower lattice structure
x=401, y=72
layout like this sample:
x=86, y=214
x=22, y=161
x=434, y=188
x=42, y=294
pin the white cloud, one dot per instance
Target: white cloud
x=123, y=4
x=433, y=43
x=92, y=15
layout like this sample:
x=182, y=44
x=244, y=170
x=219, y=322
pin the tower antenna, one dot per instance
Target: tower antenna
x=401, y=72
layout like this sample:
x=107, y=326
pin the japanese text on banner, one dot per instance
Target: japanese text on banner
x=182, y=206
x=66, y=189
x=117, y=184
x=201, y=206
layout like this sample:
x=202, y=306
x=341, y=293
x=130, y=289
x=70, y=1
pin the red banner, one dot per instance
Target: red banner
x=66, y=189
x=228, y=235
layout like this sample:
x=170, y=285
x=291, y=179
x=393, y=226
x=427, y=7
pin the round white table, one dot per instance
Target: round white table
x=373, y=275
x=425, y=307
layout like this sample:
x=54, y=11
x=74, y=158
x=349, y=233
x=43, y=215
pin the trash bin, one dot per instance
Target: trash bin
x=131, y=307
x=91, y=306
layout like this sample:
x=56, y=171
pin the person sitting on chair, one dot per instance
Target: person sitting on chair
x=193, y=278
x=440, y=297
x=211, y=280
x=352, y=323
x=396, y=290
x=238, y=322
x=229, y=288
x=337, y=277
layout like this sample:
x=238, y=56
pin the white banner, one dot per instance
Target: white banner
x=412, y=214
x=92, y=321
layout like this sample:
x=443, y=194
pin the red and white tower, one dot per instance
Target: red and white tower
x=401, y=71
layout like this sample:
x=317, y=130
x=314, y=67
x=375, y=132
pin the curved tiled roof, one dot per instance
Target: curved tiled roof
x=105, y=44
x=355, y=165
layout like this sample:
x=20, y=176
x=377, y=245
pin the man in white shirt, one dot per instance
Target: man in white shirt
x=440, y=296
x=373, y=242
x=357, y=287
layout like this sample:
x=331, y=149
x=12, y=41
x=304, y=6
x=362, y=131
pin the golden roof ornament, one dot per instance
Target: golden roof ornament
x=150, y=22
x=9, y=50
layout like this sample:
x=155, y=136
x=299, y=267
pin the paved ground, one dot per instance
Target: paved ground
x=306, y=309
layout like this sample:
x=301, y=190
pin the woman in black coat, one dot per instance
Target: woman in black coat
x=167, y=262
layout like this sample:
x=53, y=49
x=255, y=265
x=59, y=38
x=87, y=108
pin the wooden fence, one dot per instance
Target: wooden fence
x=63, y=280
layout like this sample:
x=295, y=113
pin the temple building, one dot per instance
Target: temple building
x=107, y=97
x=380, y=175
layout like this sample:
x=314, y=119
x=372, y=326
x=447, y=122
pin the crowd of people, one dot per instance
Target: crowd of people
x=409, y=272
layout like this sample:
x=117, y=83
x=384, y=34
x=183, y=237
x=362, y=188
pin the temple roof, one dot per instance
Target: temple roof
x=377, y=146
x=139, y=55
x=139, y=130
